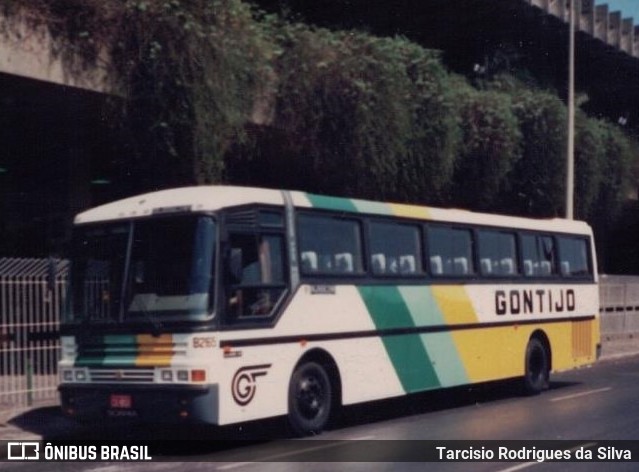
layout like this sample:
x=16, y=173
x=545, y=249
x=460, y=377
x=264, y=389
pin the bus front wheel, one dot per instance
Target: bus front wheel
x=310, y=398
x=537, y=373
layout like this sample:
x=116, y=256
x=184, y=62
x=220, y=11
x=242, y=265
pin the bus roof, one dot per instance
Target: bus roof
x=214, y=198
x=197, y=199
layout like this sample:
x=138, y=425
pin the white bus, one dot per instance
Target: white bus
x=227, y=304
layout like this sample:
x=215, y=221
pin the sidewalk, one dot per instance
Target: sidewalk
x=47, y=422
x=616, y=346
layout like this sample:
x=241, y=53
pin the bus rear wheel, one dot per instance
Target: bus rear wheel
x=310, y=399
x=537, y=373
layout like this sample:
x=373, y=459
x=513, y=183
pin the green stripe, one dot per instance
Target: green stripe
x=331, y=203
x=440, y=347
x=445, y=358
x=422, y=305
x=348, y=205
x=110, y=350
x=407, y=352
x=364, y=206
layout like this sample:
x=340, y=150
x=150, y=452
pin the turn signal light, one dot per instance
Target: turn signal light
x=198, y=375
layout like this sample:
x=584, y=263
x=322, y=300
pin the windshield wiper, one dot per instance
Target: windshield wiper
x=156, y=325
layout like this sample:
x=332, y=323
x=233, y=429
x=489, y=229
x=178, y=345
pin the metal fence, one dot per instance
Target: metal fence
x=619, y=300
x=31, y=298
x=30, y=308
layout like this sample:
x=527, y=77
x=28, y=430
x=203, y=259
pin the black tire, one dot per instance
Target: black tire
x=310, y=399
x=537, y=373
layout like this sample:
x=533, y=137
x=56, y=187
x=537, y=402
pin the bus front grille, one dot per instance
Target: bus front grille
x=122, y=375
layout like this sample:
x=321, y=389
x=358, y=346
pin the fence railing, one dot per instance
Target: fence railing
x=619, y=300
x=31, y=299
x=30, y=308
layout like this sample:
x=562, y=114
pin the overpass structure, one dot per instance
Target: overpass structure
x=59, y=153
x=607, y=62
x=597, y=21
x=29, y=50
x=524, y=36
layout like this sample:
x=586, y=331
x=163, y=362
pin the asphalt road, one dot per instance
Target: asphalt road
x=586, y=407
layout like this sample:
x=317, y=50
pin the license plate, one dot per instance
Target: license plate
x=120, y=401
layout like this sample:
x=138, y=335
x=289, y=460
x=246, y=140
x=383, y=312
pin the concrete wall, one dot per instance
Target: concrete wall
x=27, y=49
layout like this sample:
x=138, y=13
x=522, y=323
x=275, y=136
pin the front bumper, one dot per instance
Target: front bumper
x=148, y=403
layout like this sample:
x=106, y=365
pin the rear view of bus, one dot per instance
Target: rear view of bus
x=221, y=305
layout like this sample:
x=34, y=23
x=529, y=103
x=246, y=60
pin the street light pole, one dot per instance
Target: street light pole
x=570, y=154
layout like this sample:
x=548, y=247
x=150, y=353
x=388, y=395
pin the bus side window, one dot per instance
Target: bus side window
x=395, y=249
x=573, y=253
x=451, y=251
x=539, y=254
x=498, y=253
x=329, y=245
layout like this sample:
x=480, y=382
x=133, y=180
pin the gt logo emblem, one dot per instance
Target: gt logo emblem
x=244, y=386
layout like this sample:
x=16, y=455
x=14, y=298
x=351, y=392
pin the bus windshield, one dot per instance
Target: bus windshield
x=152, y=270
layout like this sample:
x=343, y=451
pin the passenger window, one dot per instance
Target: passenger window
x=539, y=255
x=497, y=253
x=450, y=251
x=329, y=245
x=395, y=249
x=256, y=267
x=573, y=254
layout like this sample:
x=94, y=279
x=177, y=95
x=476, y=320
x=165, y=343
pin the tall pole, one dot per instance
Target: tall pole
x=570, y=154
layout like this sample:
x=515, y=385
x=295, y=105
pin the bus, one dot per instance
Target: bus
x=222, y=304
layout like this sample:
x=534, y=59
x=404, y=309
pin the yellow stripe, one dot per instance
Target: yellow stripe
x=499, y=352
x=154, y=351
x=492, y=353
x=454, y=303
x=478, y=349
x=409, y=211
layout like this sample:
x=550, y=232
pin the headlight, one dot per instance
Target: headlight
x=167, y=376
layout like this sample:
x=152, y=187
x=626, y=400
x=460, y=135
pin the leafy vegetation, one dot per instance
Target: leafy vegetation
x=365, y=115
x=491, y=147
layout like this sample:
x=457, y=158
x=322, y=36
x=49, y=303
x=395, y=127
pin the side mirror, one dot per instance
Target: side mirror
x=234, y=267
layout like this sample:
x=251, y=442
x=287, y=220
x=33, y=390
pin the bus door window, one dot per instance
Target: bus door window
x=257, y=282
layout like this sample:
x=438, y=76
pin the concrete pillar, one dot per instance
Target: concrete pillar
x=614, y=29
x=601, y=22
x=587, y=17
x=627, y=35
